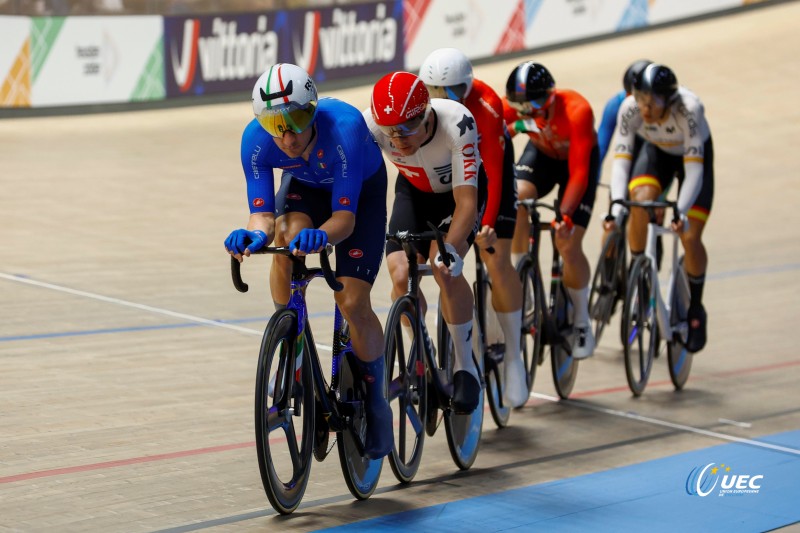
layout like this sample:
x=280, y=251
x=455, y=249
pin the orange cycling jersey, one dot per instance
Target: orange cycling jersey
x=487, y=108
x=566, y=132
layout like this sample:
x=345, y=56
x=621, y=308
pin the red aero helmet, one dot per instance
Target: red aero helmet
x=397, y=98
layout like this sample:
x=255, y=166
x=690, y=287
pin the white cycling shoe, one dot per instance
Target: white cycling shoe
x=583, y=346
x=515, y=393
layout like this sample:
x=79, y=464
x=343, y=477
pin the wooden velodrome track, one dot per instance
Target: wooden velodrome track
x=123, y=408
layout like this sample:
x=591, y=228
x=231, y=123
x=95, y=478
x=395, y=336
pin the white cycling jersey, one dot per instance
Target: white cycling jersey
x=449, y=158
x=683, y=133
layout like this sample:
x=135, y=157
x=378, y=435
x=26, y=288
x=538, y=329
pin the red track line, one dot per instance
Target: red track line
x=236, y=446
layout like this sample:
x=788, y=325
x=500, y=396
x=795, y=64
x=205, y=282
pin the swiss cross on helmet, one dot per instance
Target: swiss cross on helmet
x=285, y=99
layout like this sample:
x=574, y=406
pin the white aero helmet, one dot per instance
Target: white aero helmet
x=447, y=73
x=285, y=99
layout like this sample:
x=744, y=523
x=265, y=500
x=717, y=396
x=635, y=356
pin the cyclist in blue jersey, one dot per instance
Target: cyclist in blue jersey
x=608, y=123
x=333, y=190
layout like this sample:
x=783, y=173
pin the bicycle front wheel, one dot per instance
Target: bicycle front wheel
x=532, y=319
x=284, y=414
x=463, y=431
x=565, y=367
x=360, y=473
x=640, y=327
x=606, y=286
x=407, y=389
x=678, y=357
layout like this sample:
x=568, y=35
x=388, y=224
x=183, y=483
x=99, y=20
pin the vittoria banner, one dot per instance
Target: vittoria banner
x=223, y=53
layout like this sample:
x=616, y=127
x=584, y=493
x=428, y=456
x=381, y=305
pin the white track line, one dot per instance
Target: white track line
x=664, y=423
x=143, y=307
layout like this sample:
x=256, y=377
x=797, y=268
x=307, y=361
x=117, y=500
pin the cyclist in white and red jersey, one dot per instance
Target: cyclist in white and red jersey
x=434, y=145
x=447, y=73
x=562, y=151
x=671, y=119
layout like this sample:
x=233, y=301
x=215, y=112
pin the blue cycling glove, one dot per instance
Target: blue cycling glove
x=237, y=240
x=309, y=240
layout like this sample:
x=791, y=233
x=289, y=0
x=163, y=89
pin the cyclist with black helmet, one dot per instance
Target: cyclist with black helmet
x=608, y=122
x=434, y=145
x=447, y=73
x=562, y=150
x=333, y=190
x=671, y=120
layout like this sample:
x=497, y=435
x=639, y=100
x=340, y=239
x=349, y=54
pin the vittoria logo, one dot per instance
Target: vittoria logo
x=355, y=253
x=258, y=202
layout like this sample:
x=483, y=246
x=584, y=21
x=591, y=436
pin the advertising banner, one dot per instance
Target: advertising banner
x=224, y=53
x=15, y=62
x=86, y=60
x=476, y=27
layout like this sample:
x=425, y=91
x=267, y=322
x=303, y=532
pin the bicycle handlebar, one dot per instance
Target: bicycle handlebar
x=401, y=237
x=532, y=204
x=297, y=265
x=650, y=205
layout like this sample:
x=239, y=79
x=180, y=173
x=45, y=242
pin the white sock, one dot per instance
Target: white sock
x=515, y=258
x=462, y=343
x=511, y=324
x=580, y=304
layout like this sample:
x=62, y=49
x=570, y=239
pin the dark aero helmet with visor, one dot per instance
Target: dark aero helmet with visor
x=529, y=87
x=657, y=80
x=285, y=99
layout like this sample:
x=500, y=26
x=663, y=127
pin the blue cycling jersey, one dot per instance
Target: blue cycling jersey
x=344, y=156
x=609, y=123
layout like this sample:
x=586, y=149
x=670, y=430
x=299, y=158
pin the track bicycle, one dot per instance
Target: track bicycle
x=647, y=316
x=546, y=325
x=610, y=276
x=420, y=382
x=490, y=341
x=295, y=408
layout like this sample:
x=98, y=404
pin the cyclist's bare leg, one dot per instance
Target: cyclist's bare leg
x=457, y=309
x=519, y=247
x=637, y=228
x=696, y=260
x=366, y=332
x=507, y=303
x=576, y=280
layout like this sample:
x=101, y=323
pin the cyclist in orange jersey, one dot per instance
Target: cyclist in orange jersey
x=447, y=73
x=562, y=150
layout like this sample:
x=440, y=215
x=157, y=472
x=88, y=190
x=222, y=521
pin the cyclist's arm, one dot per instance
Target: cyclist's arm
x=608, y=123
x=339, y=226
x=263, y=222
x=689, y=121
x=492, y=149
x=464, y=216
x=581, y=142
x=628, y=120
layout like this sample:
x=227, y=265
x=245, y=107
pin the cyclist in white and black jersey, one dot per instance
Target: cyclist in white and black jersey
x=434, y=145
x=671, y=120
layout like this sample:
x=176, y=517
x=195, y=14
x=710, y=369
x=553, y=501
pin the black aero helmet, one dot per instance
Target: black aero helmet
x=631, y=72
x=529, y=81
x=656, y=79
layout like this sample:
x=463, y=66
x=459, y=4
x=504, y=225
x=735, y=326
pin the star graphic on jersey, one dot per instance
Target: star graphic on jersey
x=467, y=123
